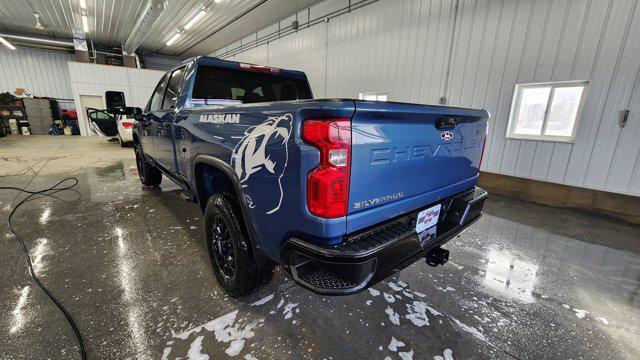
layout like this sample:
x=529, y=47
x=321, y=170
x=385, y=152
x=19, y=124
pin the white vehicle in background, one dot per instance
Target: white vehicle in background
x=124, y=121
x=125, y=130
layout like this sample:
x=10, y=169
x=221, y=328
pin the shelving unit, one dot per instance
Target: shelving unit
x=39, y=115
x=12, y=112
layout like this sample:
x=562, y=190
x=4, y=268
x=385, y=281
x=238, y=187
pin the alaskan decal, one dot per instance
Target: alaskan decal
x=220, y=118
x=447, y=135
x=264, y=147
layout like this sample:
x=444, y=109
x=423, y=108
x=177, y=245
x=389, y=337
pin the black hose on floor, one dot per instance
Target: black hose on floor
x=52, y=189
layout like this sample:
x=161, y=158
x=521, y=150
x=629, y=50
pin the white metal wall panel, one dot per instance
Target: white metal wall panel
x=496, y=86
x=505, y=151
x=551, y=158
x=605, y=46
x=39, y=72
x=321, y=9
x=300, y=51
x=402, y=47
x=46, y=73
x=547, y=69
x=624, y=79
x=537, y=31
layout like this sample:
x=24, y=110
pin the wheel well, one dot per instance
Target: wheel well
x=211, y=181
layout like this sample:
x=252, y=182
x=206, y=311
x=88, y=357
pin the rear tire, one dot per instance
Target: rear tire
x=149, y=174
x=230, y=250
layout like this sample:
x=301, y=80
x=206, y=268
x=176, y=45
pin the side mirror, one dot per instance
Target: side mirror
x=116, y=102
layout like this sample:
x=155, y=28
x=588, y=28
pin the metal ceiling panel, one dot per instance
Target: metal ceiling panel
x=111, y=21
x=267, y=13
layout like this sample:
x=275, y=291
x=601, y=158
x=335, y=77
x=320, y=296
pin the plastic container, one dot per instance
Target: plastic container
x=13, y=125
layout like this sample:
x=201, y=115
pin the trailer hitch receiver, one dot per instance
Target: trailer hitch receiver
x=437, y=256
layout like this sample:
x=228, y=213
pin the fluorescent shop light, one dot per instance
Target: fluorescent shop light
x=173, y=39
x=85, y=23
x=195, y=19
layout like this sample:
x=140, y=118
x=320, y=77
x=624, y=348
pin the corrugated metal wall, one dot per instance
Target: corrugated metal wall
x=45, y=73
x=402, y=47
x=39, y=72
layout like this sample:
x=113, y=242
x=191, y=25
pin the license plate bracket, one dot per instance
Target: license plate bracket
x=428, y=218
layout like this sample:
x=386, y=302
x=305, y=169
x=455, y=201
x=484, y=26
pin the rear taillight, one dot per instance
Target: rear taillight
x=127, y=124
x=328, y=183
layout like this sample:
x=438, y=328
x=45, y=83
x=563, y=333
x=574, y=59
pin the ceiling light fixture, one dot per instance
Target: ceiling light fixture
x=85, y=24
x=38, y=24
x=83, y=4
x=173, y=39
x=195, y=20
x=7, y=44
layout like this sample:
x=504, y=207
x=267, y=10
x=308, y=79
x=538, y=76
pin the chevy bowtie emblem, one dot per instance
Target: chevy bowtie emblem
x=447, y=135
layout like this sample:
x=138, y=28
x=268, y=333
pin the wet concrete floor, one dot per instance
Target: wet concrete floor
x=130, y=264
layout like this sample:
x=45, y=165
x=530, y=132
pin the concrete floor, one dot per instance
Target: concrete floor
x=527, y=281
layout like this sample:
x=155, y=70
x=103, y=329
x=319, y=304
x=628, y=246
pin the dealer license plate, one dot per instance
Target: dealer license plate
x=427, y=218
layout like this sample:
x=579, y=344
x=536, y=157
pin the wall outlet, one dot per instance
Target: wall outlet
x=624, y=118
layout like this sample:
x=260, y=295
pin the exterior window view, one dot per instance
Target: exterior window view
x=547, y=111
x=320, y=179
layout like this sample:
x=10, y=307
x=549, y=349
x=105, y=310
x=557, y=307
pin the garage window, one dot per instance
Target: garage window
x=547, y=111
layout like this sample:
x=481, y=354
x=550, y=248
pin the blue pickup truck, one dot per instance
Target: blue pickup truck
x=342, y=193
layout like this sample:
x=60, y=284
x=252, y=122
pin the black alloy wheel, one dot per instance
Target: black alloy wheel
x=231, y=252
x=149, y=174
x=221, y=247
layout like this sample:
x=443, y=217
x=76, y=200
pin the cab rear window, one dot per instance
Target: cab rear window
x=247, y=86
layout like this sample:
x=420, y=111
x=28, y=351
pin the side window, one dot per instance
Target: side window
x=156, y=98
x=247, y=86
x=171, y=95
x=258, y=91
x=237, y=93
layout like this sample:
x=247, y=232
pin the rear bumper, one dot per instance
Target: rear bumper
x=126, y=134
x=368, y=256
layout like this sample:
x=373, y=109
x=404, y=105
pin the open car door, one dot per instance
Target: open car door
x=102, y=123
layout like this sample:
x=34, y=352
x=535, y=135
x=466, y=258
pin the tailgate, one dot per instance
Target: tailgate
x=406, y=156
